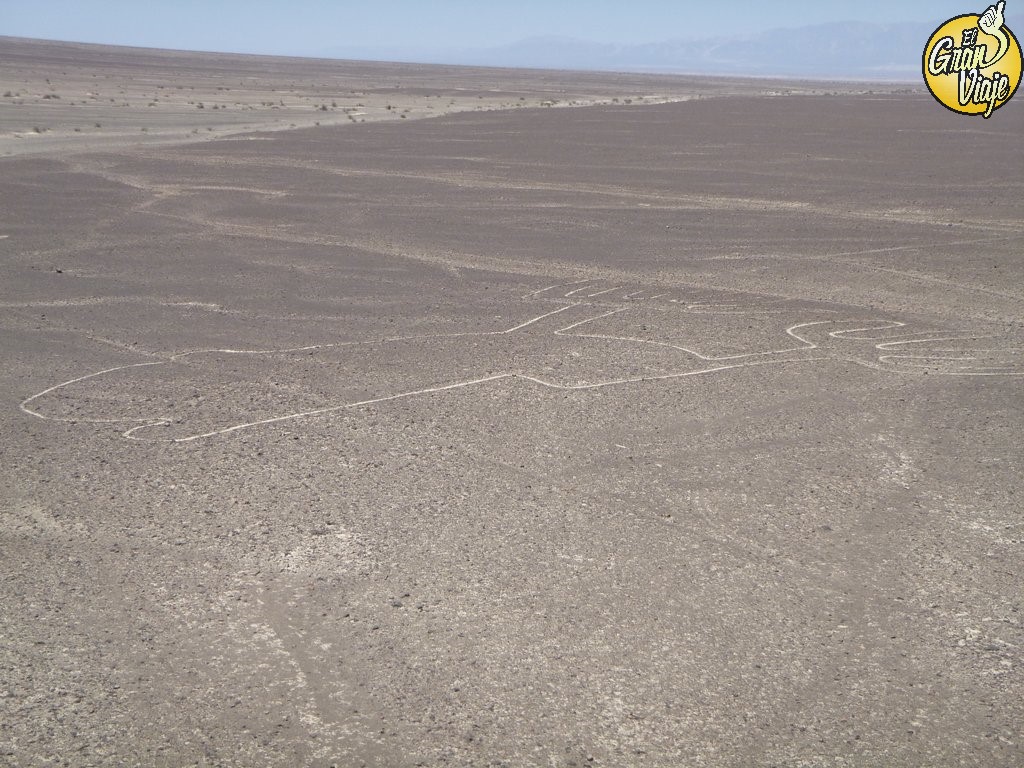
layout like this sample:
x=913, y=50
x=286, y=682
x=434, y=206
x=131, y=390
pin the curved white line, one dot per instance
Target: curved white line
x=660, y=377
x=302, y=414
x=130, y=434
x=889, y=344
x=808, y=345
x=23, y=405
x=884, y=326
x=148, y=423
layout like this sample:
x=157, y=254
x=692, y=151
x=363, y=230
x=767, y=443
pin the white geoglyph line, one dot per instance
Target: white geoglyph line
x=537, y=319
x=153, y=421
x=602, y=293
x=556, y=285
x=24, y=403
x=584, y=288
x=146, y=423
x=962, y=370
x=971, y=370
x=578, y=323
x=889, y=344
x=130, y=434
x=807, y=344
x=93, y=301
x=659, y=377
x=303, y=414
x=385, y=340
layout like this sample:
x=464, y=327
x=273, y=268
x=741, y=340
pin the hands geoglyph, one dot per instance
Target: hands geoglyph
x=575, y=346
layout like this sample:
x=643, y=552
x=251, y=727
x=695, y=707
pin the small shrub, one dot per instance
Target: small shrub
x=8, y=95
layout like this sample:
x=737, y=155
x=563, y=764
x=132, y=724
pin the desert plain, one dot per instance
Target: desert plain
x=597, y=420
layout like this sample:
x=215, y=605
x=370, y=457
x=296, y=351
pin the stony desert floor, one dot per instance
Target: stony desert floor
x=636, y=434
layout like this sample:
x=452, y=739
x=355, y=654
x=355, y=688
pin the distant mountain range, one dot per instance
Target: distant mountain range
x=843, y=50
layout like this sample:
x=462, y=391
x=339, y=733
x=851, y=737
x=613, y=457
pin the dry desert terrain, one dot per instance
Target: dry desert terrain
x=678, y=428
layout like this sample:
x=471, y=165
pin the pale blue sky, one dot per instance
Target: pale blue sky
x=310, y=27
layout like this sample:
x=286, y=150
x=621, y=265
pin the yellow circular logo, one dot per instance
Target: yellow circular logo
x=972, y=64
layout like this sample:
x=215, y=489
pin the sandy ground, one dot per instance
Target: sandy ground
x=648, y=435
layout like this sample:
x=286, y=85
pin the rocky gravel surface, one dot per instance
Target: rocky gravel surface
x=660, y=435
